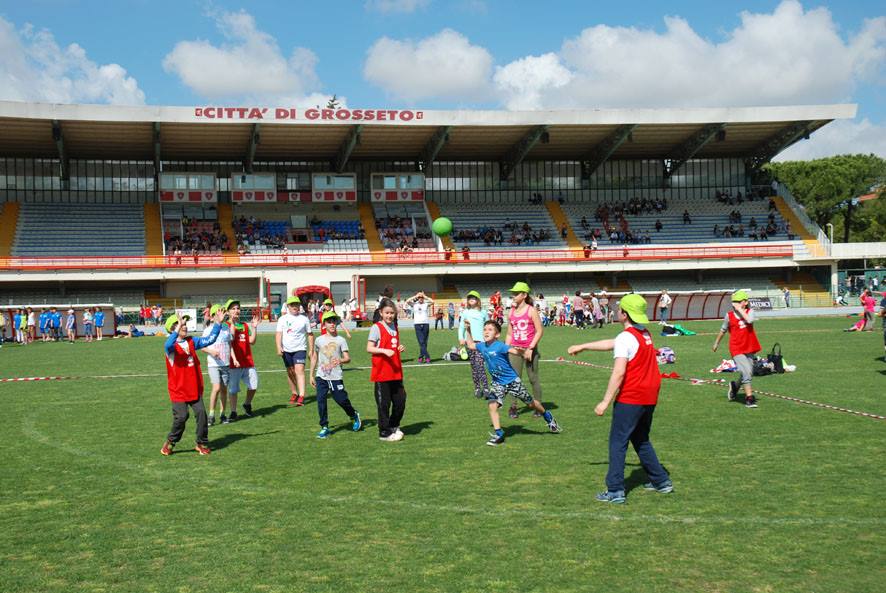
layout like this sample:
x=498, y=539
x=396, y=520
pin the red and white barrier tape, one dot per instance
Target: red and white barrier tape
x=17, y=379
x=719, y=382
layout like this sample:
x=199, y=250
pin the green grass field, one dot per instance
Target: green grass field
x=784, y=498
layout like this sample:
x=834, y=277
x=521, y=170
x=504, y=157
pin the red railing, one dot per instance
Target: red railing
x=631, y=253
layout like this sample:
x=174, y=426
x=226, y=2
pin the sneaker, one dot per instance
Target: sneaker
x=211, y=420
x=750, y=402
x=167, y=448
x=300, y=401
x=495, y=440
x=358, y=424
x=666, y=488
x=247, y=410
x=393, y=437
x=293, y=399
x=224, y=419
x=512, y=411
x=396, y=430
x=555, y=428
x=202, y=449
x=732, y=391
x=613, y=497
x=324, y=433
x=233, y=417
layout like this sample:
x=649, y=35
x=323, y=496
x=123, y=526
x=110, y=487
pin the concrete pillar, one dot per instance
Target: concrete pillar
x=834, y=280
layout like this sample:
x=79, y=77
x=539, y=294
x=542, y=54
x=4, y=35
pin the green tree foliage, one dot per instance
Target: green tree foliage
x=826, y=188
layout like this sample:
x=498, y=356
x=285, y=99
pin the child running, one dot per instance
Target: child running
x=387, y=372
x=294, y=341
x=524, y=333
x=331, y=351
x=476, y=317
x=185, y=381
x=504, y=379
x=329, y=306
x=743, y=344
x=636, y=381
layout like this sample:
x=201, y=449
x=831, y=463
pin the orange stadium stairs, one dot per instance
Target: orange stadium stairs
x=373, y=241
x=805, y=286
x=8, y=223
x=226, y=222
x=559, y=217
x=815, y=248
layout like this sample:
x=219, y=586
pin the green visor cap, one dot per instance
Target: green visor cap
x=520, y=287
x=231, y=303
x=739, y=296
x=216, y=308
x=635, y=307
x=293, y=301
x=328, y=302
x=330, y=316
x=173, y=320
x=474, y=294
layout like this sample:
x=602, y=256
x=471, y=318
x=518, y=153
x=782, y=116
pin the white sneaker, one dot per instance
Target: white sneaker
x=399, y=432
x=392, y=438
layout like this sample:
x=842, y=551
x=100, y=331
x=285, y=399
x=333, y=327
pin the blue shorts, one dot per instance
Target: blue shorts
x=291, y=359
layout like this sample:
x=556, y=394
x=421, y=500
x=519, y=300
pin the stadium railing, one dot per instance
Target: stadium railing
x=620, y=254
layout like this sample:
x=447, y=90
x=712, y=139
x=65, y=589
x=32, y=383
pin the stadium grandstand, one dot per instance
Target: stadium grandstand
x=183, y=205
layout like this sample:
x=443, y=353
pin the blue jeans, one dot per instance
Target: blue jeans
x=663, y=314
x=339, y=394
x=631, y=422
x=421, y=332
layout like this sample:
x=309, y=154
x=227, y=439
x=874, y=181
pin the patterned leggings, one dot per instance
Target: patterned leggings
x=478, y=373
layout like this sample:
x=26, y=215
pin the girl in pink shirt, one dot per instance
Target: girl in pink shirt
x=524, y=332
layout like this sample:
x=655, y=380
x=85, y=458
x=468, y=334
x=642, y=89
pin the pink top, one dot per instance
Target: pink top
x=522, y=329
x=869, y=303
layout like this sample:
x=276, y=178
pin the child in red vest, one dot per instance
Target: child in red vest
x=743, y=345
x=387, y=372
x=185, y=380
x=636, y=381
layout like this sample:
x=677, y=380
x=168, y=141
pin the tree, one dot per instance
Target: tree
x=826, y=187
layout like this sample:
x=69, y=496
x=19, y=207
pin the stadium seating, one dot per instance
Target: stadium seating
x=46, y=229
x=407, y=213
x=38, y=296
x=474, y=217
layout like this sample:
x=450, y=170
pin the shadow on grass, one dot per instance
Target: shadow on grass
x=233, y=437
x=549, y=406
x=416, y=427
x=266, y=411
x=520, y=429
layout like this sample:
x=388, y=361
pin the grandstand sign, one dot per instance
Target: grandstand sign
x=334, y=196
x=307, y=115
x=205, y=197
x=398, y=195
x=760, y=303
x=253, y=196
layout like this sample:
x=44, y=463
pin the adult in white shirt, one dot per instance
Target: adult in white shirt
x=218, y=364
x=664, y=306
x=420, y=305
x=294, y=342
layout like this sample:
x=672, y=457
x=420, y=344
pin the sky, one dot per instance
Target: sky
x=458, y=54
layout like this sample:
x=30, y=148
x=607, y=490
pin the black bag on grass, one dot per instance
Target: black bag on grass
x=763, y=367
x=776, y=359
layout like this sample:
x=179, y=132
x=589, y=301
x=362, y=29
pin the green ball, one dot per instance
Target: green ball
x=442, y=226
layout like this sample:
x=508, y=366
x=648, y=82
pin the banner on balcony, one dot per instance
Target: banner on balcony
x=400, y=195
x=206, y=197
x=336, y=195
x=249, y=195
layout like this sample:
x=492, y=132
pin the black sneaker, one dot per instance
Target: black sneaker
x=732, y=391
x=224, y=419
x=233, y=417
x=495, y=440
x=247, y=410
x=211, y=420
x=750, y=401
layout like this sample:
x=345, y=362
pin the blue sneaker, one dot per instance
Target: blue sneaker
x=665, y=488
x=358, y=424
x=613, y=497
x=324, y=433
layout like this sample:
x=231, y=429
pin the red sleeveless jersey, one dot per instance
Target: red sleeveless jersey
x=742, y=337
x=241, y=347
x=183, y=375
x=383, y=367
x=642, y=380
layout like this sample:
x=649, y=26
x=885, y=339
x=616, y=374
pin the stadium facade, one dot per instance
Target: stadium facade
x=93, y=197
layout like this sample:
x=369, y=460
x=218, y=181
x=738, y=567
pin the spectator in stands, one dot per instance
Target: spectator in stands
x=658, y=225
x=686, y=218
x=466, y=253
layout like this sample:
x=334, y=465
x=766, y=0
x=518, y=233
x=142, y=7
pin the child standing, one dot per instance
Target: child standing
x=505, y=380
x=475, y=316
x=743, y=344
x=331, y=351
x=387, y=372
x=87, y=324
x=218, y=362
x=99, y=323
x=636, y=381
x=294, y=341
x=71, y=326
x=185, y=382
x=243, y=367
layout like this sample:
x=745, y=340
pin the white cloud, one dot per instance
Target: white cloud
x=789, y=56
x=34, y=68
x=442, y=66
x=395, y=6
x=521, y=82
x=839, y=137
x=249, y=65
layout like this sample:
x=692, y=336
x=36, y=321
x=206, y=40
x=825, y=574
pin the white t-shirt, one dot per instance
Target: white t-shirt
x=664, y=301
x=222, y=344
x=295, y=330
x=626, y=346
x=420, y=312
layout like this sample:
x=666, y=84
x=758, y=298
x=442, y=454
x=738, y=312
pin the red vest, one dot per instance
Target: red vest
x=183, y=375
x=742, y=338
x=642, y=379
x=241, y=347
x=384, y=368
